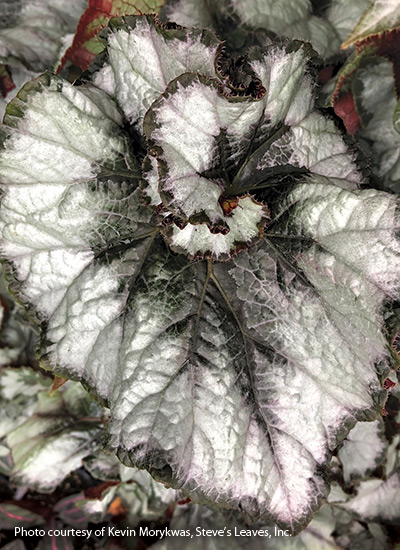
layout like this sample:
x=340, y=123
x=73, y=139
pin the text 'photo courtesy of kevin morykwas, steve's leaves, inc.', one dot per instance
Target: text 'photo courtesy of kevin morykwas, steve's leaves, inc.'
x=199, y=248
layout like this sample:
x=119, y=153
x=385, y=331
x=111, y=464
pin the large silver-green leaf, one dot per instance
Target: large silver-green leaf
x=232, y=380
x=59, y=233
x=210, y=146
x=143, y=57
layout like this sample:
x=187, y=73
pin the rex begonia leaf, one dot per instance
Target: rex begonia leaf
x=363, y=450
x=376, y=101
x=233, y=380
x=32, y=30
x=379, y=17
x=86, y=44
x=208, y=149
x=52, y=442
x=377, y=500
x=143, y=57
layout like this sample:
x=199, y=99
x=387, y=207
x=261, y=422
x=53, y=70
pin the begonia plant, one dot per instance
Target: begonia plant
x=200, y=248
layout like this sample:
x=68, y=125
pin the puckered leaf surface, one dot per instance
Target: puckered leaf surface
x=231, y=380
x=143, y=57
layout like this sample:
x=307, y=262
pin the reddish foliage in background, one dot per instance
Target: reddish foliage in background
x=77, y=53
x=388, y=384
x=98, y=490
x=385, y=44
x=345, y=108
x=95, y=18
x=6, y=82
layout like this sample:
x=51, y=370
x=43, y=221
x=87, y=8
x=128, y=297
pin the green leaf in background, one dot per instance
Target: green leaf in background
x=51, y=443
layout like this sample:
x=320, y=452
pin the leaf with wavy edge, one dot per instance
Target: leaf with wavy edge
x=363, y=450
x=210, y=146
x=143, y=57
x=213, y=372
x=377, y=500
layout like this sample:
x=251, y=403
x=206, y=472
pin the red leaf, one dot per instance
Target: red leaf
x=388, y=384
x=325, y=74
x=6, y=82
x=345, y=108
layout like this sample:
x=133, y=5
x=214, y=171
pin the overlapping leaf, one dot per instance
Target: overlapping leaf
x=233, y=381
